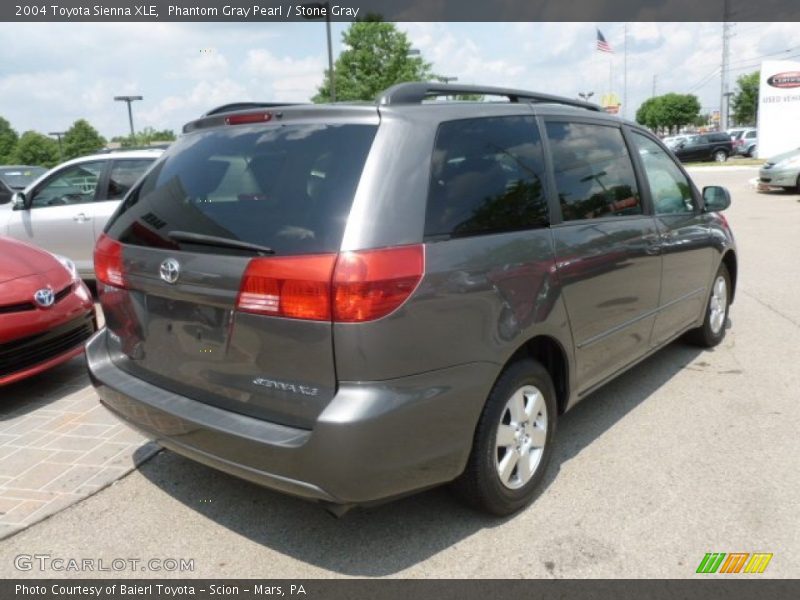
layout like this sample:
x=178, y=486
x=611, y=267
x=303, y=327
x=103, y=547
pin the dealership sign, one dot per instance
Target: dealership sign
x=778, y=107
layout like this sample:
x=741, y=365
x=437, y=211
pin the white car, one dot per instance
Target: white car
x=65, y=210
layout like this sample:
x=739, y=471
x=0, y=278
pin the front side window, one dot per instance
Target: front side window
x=74, y=185
x=593, y=171
x=669, y=187
x=486, y=177
x=124, y=173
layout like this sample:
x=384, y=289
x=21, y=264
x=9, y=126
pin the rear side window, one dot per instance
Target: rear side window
x=124, y=173
x=288, y=187
x=593, y=171
x=486, y=177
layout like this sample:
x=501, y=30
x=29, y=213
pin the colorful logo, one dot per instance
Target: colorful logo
x=789, y=79
x=735, y=562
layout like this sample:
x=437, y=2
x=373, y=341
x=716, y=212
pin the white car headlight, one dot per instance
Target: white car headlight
x=68, y=265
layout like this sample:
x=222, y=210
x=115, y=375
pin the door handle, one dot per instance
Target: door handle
x=653, y=246
x=80, y=218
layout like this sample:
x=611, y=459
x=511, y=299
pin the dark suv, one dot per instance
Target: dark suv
x=352, y=302
x=705, y=146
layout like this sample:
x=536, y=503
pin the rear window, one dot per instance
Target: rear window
x=288, y=187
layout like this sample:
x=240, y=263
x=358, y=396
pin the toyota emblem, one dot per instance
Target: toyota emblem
x=44, y=297
x=170, y=270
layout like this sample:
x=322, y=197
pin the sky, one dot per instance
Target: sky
x=54, y=73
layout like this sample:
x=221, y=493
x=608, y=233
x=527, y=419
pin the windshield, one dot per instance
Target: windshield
x=286, y=187
x=19, y=178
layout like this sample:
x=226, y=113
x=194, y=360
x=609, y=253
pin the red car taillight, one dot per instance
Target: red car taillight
x=292, y=286
x=108, y=262
x=370, y=284
x=349, y=287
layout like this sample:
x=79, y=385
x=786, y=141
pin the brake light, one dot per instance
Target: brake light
x=349, y=287
x=257, y=117
x=297, y=287
x=108, y=262
x=370, y=284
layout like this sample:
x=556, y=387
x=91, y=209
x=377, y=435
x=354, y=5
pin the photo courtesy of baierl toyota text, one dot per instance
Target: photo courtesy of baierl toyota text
x=387, y=299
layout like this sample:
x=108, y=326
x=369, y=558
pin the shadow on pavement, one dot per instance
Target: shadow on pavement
x=46, y=388
x=387, y=539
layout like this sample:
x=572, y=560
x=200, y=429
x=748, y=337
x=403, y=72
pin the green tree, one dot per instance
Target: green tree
x=679, y=110
x=376, y=57
x=82, y=139
x=745, y=100
x=8, y=139
x=145, y=137
x=33, y=148
x=669, y=112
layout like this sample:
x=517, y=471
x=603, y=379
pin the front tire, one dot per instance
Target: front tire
x=513, y=441
x=712, y=331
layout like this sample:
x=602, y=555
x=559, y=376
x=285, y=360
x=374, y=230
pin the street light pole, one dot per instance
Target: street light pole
x=326, y=6
x=58, y=134
x=585, y=95
x=129, y=100
x=330, y=51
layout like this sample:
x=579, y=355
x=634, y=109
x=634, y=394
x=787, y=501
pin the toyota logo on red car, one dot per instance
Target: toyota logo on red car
x=789, y=79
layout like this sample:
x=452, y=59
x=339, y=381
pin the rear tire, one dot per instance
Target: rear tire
x=720, y=156
x=712, y=331
x=513, y=441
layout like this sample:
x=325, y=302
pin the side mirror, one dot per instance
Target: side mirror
x=716, y=198
x=18, y=201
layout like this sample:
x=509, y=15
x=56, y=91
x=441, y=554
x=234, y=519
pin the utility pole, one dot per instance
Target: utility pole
x=723, y=88
x=653, y=95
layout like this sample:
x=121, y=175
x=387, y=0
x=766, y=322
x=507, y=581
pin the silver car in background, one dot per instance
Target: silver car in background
x=65, y=210
x=782, y=171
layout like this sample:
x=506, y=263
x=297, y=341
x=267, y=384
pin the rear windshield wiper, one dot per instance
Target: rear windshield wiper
x=213, y=240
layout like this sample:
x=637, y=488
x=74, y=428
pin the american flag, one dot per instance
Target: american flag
x=602, y=44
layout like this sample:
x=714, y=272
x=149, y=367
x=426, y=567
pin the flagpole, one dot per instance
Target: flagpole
x=625, y=76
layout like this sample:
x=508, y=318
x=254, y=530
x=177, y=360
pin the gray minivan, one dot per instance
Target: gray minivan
x=350, y=303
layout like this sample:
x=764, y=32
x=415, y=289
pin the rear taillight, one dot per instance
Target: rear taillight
x=294, y=286
x=370, y=284
x=108, y=261
x=349, y=287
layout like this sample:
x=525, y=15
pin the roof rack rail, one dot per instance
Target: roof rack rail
x=416, y=92
x=234, y=106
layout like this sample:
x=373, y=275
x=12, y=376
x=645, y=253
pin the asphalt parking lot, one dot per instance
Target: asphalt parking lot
x=690, y=452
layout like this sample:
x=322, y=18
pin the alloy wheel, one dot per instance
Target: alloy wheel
x=718, y=304
x=521, y=436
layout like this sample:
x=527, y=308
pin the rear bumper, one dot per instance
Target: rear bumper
x=372, y=442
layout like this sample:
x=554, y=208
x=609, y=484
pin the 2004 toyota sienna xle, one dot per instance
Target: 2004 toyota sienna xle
x=349, y=303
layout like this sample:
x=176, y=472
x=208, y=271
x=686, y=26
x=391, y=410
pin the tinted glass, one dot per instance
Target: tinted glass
x=669, y=187
x=124, y=173
x=288, y=187
x=21, y=178
x=593, y=171
x=486, y=177
x=73, y=185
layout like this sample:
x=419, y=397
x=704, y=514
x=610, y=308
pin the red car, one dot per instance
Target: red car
x=46, y=311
